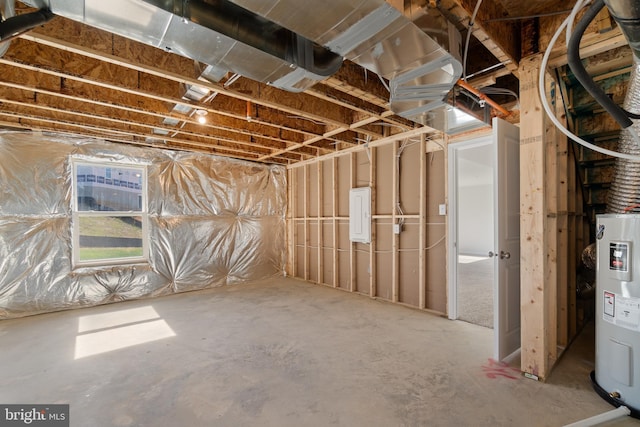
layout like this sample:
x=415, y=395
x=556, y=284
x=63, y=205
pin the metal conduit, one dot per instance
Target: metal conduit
x=624, y=195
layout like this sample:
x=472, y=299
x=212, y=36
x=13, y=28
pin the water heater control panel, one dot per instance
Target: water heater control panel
x=620, y=260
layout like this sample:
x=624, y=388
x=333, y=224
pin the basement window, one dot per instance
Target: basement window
x=109, y=213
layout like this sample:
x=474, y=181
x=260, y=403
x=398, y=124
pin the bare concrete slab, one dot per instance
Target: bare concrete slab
x=280, y=353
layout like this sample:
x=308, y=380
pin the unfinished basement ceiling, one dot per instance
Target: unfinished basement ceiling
x=69, y=77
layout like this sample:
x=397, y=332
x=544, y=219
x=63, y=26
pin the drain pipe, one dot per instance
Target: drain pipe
x=614, y=414
x=7, y=10
x=12, y=26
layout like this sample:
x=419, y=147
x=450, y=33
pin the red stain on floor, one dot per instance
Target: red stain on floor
x=495, y=369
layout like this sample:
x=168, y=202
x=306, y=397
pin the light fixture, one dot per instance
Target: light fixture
x=201, y=116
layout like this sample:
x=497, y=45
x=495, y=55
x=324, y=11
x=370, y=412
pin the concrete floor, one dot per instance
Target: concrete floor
x=280, y=353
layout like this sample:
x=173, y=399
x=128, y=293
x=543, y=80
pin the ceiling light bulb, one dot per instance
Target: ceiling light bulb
x=201, y=116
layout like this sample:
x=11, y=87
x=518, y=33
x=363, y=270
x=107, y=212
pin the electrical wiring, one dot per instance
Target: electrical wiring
x=386, y=86
x=547, y=107
x=520, y=18
x=580, y=4
x=466, y=44
x=500, y=91
x=428, y=248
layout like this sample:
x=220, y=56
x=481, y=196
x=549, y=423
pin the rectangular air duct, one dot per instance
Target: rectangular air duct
x=292, y=45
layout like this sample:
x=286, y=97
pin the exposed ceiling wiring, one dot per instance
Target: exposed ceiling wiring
x=520, y=18
x=466, y=44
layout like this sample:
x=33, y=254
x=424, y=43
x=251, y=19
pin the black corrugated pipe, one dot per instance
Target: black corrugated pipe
x=16, y=25
x=575, y=63
x=251, y=29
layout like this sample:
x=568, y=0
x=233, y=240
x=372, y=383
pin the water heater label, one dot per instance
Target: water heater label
x=609, y=304
x=622, y=311
x=618, y=256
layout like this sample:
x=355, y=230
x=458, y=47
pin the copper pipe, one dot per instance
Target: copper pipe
x=499, y=108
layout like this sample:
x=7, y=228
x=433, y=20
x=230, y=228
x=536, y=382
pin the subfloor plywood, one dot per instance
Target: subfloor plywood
x=282, y=353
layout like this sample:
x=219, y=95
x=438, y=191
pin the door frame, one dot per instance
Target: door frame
x=452, y=197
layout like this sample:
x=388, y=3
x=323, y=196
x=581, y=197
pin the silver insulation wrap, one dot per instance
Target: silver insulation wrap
x=213, y=221
x=624, y=194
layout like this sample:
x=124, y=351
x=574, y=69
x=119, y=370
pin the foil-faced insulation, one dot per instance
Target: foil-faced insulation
x=624, y=194
x=213, y=221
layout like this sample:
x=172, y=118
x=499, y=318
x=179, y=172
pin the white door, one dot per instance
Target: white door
x=506, y=321
x=504, y=146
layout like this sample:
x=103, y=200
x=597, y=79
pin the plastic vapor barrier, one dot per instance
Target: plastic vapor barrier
x=212, y=221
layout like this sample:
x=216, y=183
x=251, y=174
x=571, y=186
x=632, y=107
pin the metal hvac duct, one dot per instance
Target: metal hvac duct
x=215, y=32
x=627, y=15
x=624, y=195
x=422, y=68
x=292, y=45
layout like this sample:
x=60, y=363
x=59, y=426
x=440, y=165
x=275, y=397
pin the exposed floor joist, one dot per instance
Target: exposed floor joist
x=282, y=125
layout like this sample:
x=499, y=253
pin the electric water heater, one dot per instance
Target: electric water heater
x=617, y=373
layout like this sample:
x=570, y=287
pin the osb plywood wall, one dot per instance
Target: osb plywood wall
x=408, y=268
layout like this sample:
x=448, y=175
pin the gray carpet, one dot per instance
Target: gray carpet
x=475, y=290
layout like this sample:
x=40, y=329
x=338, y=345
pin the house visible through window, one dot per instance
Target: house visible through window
x=109, y=213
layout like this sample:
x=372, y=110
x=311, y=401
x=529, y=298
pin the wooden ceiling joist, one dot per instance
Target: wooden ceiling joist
x=501, y=38
x=73, y=73
x=259, y=94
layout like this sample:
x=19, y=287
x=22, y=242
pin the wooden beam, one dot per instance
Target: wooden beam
x=300, y=105
x=537, y=268
x=591, y=44
x=90, y=90
x=373, y=291
x=384, y=141
x=335, y=211
x=563, y=255
x=352, y=246
x=550, y=191
x=422, y=238
x=574, y=251
x=395, y=238
x=149, y=105
x=306, y=222
x=488, y=79
x=144, y=127
x=293, y=201
x=501, y=38
x=320, y=230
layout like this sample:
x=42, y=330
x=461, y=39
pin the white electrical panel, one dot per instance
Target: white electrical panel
x=360, y=215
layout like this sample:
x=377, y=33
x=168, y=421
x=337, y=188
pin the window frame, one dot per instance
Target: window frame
x=76, y=214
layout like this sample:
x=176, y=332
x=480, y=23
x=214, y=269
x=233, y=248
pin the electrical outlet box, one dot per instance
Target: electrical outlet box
x=442, y=209
x=397, y=228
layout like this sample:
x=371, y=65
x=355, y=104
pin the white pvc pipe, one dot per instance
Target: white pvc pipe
x=614, y=414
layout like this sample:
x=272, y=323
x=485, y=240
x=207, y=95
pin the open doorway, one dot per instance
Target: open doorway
x=484, y=231
x=473, y=183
